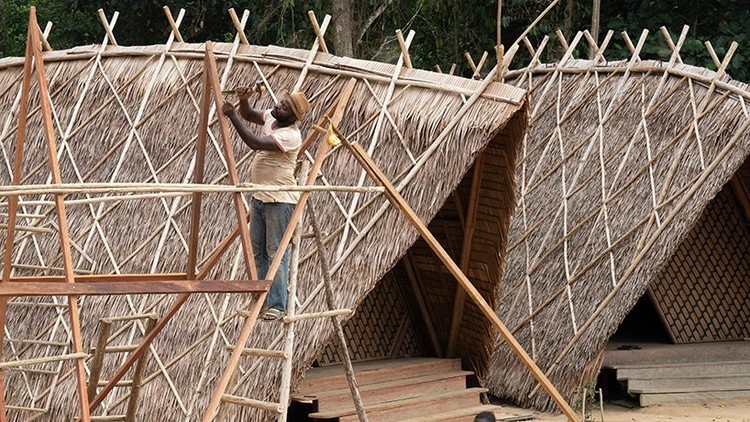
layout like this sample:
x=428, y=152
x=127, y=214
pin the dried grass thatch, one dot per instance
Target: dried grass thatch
x=618, y=164
x=129, y=114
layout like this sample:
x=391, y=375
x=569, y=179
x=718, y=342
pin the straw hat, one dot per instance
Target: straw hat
x=297, y=101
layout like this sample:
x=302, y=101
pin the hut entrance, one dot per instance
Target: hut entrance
x=688, y=332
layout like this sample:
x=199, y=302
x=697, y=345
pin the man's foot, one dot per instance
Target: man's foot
x=271, y=314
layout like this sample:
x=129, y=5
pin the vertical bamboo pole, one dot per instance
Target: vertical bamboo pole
x=49, y=131
x=343, y=349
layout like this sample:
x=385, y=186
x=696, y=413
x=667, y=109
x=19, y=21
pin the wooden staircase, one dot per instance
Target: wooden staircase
x=414, y=389
x=667, y=373
x=686, y=382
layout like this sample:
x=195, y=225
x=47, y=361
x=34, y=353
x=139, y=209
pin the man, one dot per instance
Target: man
x=278, y=145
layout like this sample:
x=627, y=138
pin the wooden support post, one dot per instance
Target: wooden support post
x=13, y=199
x=239, y=206
x=49, y=132
x=200, y=158
x=423, y=309
x=471, y=218
x=98, y=360
x=400, y=204
x=342, y=349
x=140, y=367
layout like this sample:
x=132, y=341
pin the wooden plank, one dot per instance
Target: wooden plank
x=62, y=220
x=200, y=159
x=400, y=203
x=471, y=218
x=35, y=288
x=212, y=77
x=105, y=278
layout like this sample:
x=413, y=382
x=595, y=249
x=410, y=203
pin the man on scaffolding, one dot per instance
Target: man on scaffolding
x=277, y=147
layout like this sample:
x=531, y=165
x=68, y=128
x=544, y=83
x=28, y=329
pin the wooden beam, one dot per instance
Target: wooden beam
x=104, y=278
x=741, y=192
x=423, y=309
x=200, y=159
x=400, y=204
x=41, y=288
x=471, y=218
x=239, y=206
x=51, y=141
x=13, y=200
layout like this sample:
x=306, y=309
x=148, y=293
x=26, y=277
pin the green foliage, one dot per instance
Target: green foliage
x=445, y=28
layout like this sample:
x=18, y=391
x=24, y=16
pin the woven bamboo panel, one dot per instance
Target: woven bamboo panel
x=381, y=328
x=703, y=294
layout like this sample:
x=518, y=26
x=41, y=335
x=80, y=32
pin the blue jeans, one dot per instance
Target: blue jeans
x=268, y=222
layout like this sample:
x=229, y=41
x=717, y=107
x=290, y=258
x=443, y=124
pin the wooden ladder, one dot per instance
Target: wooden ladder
x=102, y=348
x=219, y=395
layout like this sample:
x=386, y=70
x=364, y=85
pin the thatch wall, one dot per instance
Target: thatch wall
x=129, y=114
x=618, y=165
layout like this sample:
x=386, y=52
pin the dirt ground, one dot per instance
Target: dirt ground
x=730, y=410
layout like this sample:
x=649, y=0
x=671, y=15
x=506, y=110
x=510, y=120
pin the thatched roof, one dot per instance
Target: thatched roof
x=130, y=114
x=618, y=164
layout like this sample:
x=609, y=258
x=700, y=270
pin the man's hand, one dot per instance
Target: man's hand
x=228, y=109
x=243, y=92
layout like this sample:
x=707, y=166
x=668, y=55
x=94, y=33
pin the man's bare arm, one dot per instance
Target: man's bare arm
x=265, y=143
x=246, y=111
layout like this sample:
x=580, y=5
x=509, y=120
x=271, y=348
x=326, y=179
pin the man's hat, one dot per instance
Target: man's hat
x=297, y=101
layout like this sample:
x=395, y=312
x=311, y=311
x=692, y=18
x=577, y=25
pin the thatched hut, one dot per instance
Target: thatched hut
x=621, y=171
x=130, y=114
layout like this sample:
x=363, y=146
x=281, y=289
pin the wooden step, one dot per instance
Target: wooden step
x=333, y=377
x=688, y=385
x=391, y=390
x=408, y=407
x=699, y=397
x=683, y=370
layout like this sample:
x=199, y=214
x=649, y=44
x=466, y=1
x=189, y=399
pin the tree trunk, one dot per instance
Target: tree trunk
x=343, y=28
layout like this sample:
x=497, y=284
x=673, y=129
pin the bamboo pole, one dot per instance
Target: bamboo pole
x=238, y=27
x=318, y=32
x=343, y=350
x=398, y=202
x=404, y=49
x=107, y=28
x=98, y=360
x=172, y=24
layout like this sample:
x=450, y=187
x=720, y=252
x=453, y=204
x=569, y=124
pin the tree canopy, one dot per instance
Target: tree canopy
x=445, y=29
